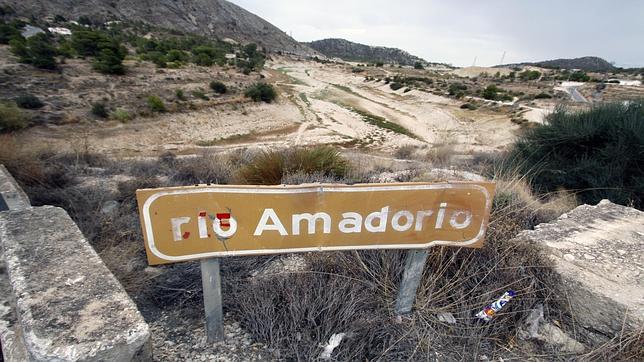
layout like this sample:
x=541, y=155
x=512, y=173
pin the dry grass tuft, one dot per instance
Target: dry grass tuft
x=270, y=167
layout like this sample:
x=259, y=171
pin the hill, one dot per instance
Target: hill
x=350, y=51
x=217, y=18
x=589, y=64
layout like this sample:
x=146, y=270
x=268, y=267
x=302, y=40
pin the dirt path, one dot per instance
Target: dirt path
x=318, y=104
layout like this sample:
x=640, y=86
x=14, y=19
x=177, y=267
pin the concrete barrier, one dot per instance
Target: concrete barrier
x=61, y=302
x=597, y=250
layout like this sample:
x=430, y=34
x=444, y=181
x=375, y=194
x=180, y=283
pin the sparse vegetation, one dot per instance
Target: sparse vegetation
x=156, y=104
x=179, y=94
x=261, y=92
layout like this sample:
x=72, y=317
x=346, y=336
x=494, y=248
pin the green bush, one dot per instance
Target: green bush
x=579, y=76
x=218, y=87
x=468, y=106
x=12, y=118
x=156, y=104
x=121, y=115
x=180, y=95
x=457, y=88
x=198, y=93
x=29, y=101
x=529, y=75
x=268, y=168
x=543, y=95
x=418, y=65
x=261, y=92
x=100, y=110
x=598, y=153
x=109, y=61
x=395, y=86
x=8, y=32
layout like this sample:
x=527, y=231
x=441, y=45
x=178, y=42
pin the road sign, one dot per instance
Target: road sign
x=187, y=223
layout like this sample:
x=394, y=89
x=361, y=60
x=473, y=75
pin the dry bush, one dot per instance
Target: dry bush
x=405, y=152
x=354, y=293
x=270, y=167
x=440, y=155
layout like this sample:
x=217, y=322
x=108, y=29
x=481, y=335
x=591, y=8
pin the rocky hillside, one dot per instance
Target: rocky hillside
x=589, y=64
x=218, y=18
x=350, y=51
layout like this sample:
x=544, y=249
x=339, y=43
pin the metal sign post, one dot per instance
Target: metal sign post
x=207, y=222
x=414, y=266
x=211, y=282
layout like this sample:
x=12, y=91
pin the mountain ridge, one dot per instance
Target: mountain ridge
x=587, y=63
x=218, y=18
x=351, y=51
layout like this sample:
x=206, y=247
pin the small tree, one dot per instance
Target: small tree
x=261, y=92
x=36, y=51
x=218, y=87
x=418, y=65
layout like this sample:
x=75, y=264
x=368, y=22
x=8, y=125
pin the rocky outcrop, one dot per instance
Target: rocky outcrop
x=217, y=18
x=597, y=250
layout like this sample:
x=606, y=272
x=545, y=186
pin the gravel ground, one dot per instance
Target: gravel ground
x=175, y=338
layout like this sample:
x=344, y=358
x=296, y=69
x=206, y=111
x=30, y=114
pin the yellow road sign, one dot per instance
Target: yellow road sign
x=186, y=223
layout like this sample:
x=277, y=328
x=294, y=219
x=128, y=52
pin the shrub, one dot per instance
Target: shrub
x=468, y=106
x=405, y=152
x=543, y=95
x=8, y=32
x=268, y=168
x=456, y=88
x=529, y=75
x=156, y=104
x=109, y=61
x=218, y=87
x=99, y=110
x=179, y=94
x=121, y=115
x=418, y=65
x=596, y=153
x=579, y=76
x=29, y=101
x=12, y=118
x=198, y=93
x=395, y=86
x=261, y=92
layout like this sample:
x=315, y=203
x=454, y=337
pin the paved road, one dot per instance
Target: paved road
x=576, y=96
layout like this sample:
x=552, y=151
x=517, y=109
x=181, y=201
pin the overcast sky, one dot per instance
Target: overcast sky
x=457, y=31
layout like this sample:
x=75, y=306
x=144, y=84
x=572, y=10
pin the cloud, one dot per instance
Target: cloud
x=458, y=31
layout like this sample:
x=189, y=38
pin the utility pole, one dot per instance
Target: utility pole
x=474, y=63
x=502, y=58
